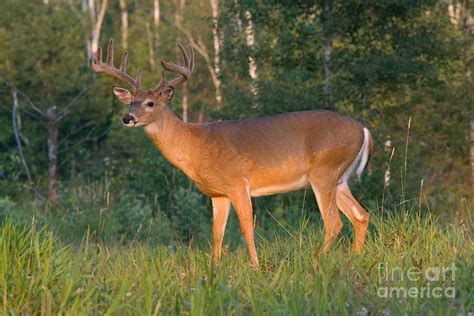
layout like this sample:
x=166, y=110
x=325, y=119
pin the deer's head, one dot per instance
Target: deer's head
x=144, y=104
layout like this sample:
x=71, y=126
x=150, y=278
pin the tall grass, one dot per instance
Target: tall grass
x=40, y=275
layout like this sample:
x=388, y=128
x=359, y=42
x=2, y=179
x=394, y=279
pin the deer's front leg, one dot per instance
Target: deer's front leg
x=243, y=209
x=220, y=213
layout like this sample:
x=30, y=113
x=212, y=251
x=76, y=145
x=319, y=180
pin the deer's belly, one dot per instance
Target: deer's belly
x=286, y=185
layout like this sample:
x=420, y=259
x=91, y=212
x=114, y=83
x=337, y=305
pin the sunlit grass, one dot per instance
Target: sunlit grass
x=40, y=275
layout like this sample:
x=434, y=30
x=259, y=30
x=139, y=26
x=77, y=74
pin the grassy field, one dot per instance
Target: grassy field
x=411, y=264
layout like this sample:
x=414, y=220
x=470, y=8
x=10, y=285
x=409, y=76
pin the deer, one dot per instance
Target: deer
x=235, y=160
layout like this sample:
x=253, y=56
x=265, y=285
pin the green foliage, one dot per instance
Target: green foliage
x=190, y=215
x=8, y=209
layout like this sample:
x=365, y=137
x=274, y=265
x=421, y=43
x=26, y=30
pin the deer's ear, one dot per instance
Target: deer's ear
x=168, y=93
x=123, y=95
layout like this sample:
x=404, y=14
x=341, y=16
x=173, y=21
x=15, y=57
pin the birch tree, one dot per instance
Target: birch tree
x=153, y=34
x=217, y=39
x=156, y=12
x=124, y=23
x=249, y=32
x=178, y=20
x=202, y=50
x=212, y=62
x=16, y=129
x=460, y=15
x=96, y=15
x=252, y=62
x=326, y=18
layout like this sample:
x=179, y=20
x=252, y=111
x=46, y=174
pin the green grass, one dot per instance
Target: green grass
x=40, y=275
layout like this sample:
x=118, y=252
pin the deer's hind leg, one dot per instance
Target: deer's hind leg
x=324, y=189
x=356, y=214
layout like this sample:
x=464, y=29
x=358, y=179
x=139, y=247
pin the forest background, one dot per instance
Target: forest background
x=402, y=68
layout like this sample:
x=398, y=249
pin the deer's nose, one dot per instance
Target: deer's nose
x=127, y=118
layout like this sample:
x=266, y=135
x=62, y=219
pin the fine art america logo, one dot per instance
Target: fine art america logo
x=434, y=282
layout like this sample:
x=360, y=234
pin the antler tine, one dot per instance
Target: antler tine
x=162, y=79
x=184, y=71
x=185, y=54
x=123, y=62
x=109, y=69
x=172, y=67
x=110, y=53
x=138, y=79
x=99, y=56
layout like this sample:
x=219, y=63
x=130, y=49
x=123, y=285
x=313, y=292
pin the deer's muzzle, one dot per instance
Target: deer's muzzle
x=129, y=119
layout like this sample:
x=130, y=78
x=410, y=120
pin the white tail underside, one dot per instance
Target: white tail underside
x=360, y=161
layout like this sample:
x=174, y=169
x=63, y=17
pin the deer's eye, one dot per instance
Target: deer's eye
x=150, y=104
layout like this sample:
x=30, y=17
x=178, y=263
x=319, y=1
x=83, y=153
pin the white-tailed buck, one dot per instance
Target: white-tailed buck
x=233, y=161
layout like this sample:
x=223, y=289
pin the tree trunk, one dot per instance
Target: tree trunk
x=156, y=24
x=388, y=149
x=238, y=20
x=151, y=47
x=184, y=102
x=250, y=39
x=201, y=49
x=156, y=12
x=97, y=19
x=52, y=126
x=124, y=23
x=17, y=136
x=327, y=55
x=460, y=15
x=472, y=163
x=217, y=50
x=327, y=90
x=178, y=18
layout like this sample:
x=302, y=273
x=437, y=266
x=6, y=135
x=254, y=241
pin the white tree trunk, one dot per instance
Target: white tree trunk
x=156, y=12
x=178, y=19
x=327, y=55
x=460, y=15
x=201, y=49
x=327, y=18
x=97, y=19
x=151, y=47
x=388, y=149
x=184, y=102
x=155, y=38
x=124, y=23
x=238, y=20
x=17, y=136
x=250, y=39
x=53, y=130
x=217, y=50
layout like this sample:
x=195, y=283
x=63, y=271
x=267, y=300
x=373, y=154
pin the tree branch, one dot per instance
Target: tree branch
x=200, y=47
x=66, y=111
x=17, y=135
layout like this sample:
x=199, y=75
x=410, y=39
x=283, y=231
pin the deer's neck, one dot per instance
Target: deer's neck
x=173, y=138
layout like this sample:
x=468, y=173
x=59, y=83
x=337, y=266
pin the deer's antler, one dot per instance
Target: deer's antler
x=109, y=69
x=184, y=71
